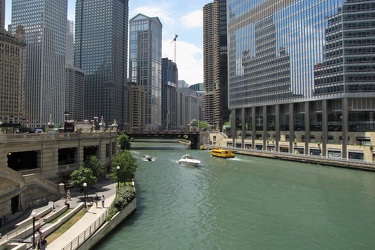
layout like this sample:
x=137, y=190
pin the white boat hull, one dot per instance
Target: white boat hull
x=186, y=162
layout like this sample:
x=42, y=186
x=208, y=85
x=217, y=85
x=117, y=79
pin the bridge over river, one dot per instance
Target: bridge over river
x=192, y=136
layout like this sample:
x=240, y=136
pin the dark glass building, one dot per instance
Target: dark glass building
x=169, y=79
x=301, y=76
x=145, y=64
x=101, y=42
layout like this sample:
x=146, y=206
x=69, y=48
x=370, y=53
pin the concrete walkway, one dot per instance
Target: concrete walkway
x=81, y=230
x=84, y=228
x=105, y=187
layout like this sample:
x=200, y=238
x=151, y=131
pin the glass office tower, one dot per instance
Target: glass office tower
x=169, y=94
x=44, y=22
x=101, y=41
x=145, y=64
x=301, y=75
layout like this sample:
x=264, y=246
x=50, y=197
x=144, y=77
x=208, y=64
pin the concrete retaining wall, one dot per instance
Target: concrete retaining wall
x=47, y=231
x=109, y=226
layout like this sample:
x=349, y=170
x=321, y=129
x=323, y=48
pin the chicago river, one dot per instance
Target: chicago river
x=244, y=203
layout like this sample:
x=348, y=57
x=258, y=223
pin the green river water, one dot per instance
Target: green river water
x=244, y=203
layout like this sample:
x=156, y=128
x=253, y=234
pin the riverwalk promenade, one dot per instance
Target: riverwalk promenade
x=88, y=224
x=94, y=217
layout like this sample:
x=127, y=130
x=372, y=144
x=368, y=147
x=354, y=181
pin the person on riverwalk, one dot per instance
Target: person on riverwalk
x=96, y=199
x=68, y=195
x=103, y=199
x=43, y=243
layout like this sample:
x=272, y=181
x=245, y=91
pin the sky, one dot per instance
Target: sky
x=179, y=17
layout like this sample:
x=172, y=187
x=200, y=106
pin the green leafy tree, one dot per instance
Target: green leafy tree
x=203, y=125
x=81, y=176
x=127, y=165
x=124, y=142
x=94, y=164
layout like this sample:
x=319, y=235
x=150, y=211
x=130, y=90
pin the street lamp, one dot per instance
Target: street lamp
x=84, y=192
x=118, y=177
x=33, y=214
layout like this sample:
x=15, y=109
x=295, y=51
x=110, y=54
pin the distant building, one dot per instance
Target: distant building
x=145, y=64
x=137, y=108
x=2, y=15
x=75, y=80
x=169, y=94
x=101, y=42
x=215, y=110
x=189, y=107
x=44, y=22
x=12, y=77
x=197, y=87
x=182, y=84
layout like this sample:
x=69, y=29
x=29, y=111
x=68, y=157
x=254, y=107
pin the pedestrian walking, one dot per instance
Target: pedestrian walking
x=68, y=195
x=43, y=243
x=103, y=199
x=97, y=198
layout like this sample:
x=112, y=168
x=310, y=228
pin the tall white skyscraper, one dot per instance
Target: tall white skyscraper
x=44, y=22
x=145, y=63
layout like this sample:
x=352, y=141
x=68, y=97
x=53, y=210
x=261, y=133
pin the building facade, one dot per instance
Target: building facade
x=137, y=108
x=215, y=63
x=145, y=52
x=169, y=94
x=303, y=83
x=75, y=80
x=208, y=66
x=12, y=77
x=2, y=15
x=44, y=22
x=189, y=106
x=101, y=41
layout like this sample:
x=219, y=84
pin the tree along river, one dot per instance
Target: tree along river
x=244, y=203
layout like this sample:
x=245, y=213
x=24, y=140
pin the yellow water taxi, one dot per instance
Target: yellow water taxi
x=222, y=153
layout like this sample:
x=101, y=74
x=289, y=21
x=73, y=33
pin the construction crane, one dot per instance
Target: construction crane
x=174, y=40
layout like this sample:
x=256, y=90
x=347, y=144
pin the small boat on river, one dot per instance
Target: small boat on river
x=149, y=158
x=189, y=160
x=222, y=153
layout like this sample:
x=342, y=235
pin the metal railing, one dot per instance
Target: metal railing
x=82, y=237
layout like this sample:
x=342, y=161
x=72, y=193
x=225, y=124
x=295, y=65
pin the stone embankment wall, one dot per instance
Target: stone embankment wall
x=360, y=165
x=109, y=226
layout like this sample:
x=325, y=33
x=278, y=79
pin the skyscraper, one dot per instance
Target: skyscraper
x=101, y=40
x=169, y=94
x=74, y=90
x=44, y=22
x=12, y=76
x=216, y=110
x=145, y=63
x=2, y=15
x=303, y=81
x=208, y=64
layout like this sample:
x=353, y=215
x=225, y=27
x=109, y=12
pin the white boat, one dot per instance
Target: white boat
x=189, y=160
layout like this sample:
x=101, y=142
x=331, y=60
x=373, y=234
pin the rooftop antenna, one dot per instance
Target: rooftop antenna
x=174, y=41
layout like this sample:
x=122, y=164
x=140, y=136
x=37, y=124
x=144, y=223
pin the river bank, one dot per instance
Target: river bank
x=337, y=162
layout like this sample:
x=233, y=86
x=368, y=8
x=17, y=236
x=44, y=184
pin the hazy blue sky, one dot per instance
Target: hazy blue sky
x=180, y=17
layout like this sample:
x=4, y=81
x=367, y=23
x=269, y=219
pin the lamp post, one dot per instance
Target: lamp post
x=118, y=177
x=33, y=214
x=84, y=192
